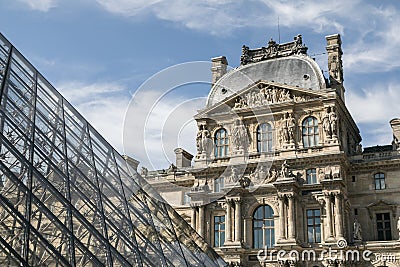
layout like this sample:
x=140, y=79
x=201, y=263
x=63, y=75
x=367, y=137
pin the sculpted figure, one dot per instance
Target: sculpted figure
x=285, y=129
x=330, y=122
x=144, y=171
x=398, y=226
x=357, y=230
x=291, y=124
x=333, y=122
x=245, y=57
x=239, y=135
x=233, y=178
x=326, y=124
x=285, y=169
x=202, y=139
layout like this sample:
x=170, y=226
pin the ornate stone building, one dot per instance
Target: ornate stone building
x=279, y=165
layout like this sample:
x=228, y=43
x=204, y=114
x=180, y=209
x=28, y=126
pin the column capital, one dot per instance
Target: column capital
x=237, y=200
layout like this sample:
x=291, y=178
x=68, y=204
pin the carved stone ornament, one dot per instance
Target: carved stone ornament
x=273, y=50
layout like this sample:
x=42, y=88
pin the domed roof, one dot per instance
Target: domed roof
x=295, y=70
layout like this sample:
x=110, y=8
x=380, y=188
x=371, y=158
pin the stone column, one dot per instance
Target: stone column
x=292, y=218
x=282, y=234
x=328, y=208
x=238, y=221
x=201, y=221
x=228, y=220
x=193, y=220
x=339, y=223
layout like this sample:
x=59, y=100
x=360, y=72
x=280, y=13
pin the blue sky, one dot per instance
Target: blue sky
x=98, y=52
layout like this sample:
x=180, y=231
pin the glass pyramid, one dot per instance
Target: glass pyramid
x=67, y=198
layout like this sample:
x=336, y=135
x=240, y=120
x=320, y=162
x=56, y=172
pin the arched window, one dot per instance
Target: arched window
x=263, y=227
x=310, y=132
x=379, y=181
x=264, y=137
x=221, y=142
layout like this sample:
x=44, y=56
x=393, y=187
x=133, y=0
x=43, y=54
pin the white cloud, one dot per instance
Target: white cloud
x=40, y=5
x=372, y=110
x=151, y=136
x=377, y=46
x=223, y=17
x=102, y=104
x=375, y=104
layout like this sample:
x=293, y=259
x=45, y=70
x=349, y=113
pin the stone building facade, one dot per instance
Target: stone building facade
x=280, y=166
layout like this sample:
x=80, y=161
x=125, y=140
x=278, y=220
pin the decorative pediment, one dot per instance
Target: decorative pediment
x=263, y=94
x=381, y=205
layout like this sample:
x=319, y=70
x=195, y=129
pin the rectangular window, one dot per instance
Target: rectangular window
x=314, y=226
x=219, y=184
x=383, y=226
x=379, y=181
x=219, y=231
x=186, y=199
x=311, y=176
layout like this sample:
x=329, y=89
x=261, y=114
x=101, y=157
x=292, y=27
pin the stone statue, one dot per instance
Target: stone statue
x=398, y=226
x=172, y=168
x=233, y=178
x=298, y=43
x=198, y=140
x=357, y=230
x=285, y=131
x=285, y=169
x=333, y=122
x=291, y=124
x=202, y=139
x=272, y=175
x=326, y=124
x=238, y=135
x=245, y=57
x=330, y=123
x=144, y=171
x=288, y=131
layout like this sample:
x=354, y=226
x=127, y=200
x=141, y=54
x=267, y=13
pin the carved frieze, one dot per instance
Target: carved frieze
x=267, y=95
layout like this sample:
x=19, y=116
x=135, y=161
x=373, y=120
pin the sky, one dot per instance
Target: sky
x=107, y=55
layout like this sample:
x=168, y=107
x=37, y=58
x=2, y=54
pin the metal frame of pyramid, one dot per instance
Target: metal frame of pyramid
x=67, y=198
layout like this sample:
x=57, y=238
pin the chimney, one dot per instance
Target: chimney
x=335, y=65
x=183, y=158
x=218, y=68
x=395, y=123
